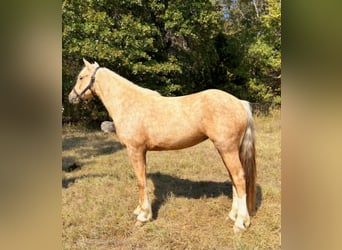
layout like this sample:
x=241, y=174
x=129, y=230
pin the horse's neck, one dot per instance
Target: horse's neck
x=115, y=90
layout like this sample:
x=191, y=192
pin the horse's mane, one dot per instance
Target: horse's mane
x=131, y=84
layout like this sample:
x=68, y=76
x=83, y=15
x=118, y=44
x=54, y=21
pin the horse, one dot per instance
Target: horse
x=146, y=120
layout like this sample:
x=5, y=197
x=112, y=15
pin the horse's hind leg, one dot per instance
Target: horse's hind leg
x=138, y=160
x=239, y=212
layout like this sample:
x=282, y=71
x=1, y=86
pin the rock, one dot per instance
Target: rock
x=107, y=127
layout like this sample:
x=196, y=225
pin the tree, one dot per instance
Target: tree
x=163, y=45
x=250, y=47
x=157, y=44
x=175, y=47
x=264, y=54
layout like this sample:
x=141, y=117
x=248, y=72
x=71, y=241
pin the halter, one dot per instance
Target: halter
x=91, y=83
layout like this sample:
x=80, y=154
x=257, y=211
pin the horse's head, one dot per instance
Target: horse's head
x=84, y=84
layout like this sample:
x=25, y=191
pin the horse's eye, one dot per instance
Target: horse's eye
x=81, y=77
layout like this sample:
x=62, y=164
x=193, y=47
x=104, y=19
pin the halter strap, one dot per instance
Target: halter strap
x=89, y=86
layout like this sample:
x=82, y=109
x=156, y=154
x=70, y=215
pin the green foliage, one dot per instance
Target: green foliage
x=251, y=50
x=176, y=47
x=264, y=54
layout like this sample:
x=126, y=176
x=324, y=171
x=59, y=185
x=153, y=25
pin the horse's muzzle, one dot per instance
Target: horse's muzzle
x=73, y=99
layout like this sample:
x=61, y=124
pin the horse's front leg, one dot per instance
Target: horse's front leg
x=137, y=157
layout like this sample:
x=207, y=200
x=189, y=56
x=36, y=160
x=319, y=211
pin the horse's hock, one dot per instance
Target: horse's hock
x=107, y=127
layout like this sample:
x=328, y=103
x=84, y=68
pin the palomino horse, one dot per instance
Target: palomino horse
x=145, y=120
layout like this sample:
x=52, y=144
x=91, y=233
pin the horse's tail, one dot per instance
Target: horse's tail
x=247, y=158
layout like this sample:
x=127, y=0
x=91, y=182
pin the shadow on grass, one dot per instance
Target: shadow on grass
x=98, y=146
x=85, y=148
x=165, y=184
x=73, y=142
x=67, y=182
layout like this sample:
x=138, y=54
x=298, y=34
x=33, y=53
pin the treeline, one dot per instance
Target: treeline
x=175, y=47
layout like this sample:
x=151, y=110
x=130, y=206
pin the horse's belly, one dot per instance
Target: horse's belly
x=171, y=142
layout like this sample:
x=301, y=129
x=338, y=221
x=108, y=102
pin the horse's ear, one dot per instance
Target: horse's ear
x=96, y=64
x=87, y=64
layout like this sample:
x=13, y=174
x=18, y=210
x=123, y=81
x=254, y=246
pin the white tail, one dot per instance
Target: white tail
x=247, y=158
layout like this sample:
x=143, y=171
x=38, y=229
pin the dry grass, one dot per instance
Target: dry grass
x=190, y=192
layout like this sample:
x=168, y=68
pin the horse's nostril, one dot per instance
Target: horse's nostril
x=73, y=99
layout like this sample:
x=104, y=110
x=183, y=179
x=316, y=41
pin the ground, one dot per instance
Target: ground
x=190, y=192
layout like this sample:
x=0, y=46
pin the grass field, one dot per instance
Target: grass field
x=190, y=192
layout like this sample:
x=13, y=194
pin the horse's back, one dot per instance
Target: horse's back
x=214, y=104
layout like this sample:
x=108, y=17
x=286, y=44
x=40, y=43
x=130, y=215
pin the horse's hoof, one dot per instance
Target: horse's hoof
x=143, y=217
x=137, y=211
x=232, y=216
x=238, y=230
x=247, y=223
x=139, y=223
